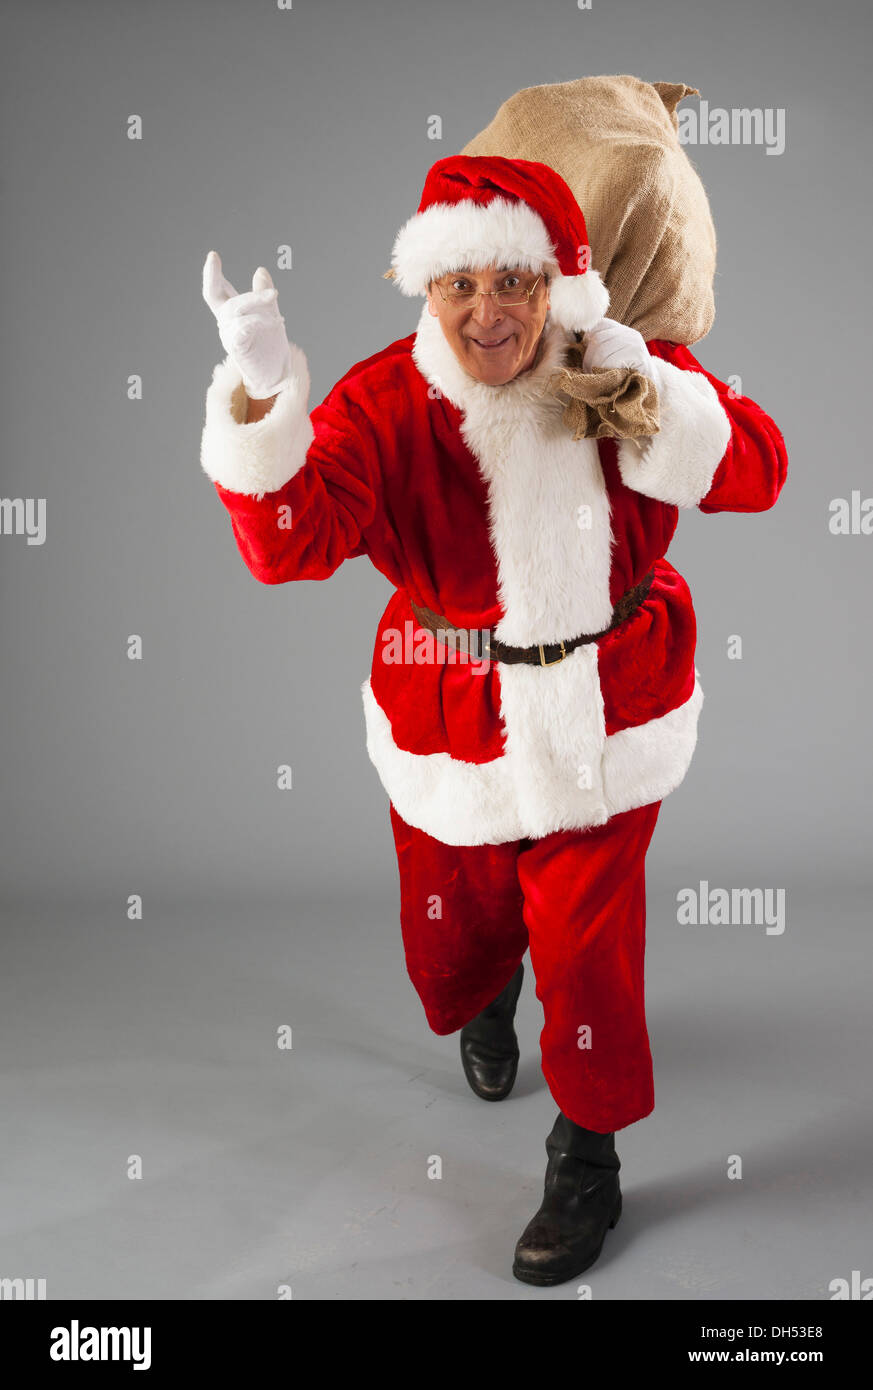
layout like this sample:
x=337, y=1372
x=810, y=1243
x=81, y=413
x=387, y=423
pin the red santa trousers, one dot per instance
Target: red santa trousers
x=577, y=898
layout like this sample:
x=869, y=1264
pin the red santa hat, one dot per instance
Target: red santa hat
x=480, y=210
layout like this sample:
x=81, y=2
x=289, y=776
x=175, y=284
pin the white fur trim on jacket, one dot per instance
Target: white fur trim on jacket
x=259, y=457
x=529, y=791
x=548, y=507
x=678, y=464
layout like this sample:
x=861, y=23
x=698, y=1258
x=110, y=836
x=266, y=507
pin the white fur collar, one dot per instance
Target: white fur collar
x=548, y=509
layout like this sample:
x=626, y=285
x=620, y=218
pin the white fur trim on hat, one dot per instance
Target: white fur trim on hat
x=578, y=302
x=469, y=235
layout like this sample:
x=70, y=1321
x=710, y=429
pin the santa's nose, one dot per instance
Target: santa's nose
x=487, y=311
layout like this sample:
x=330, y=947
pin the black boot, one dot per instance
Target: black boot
x=581, y=1201
x=489, y=1046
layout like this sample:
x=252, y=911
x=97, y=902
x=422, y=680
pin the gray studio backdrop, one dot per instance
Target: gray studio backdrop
x=309, y=126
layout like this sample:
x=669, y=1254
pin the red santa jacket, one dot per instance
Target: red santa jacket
x=475, y=502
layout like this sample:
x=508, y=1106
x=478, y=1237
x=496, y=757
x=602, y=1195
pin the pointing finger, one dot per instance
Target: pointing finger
x=216, y=290
x=261, y=279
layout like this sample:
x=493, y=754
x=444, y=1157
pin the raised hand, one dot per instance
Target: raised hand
x=251, y=329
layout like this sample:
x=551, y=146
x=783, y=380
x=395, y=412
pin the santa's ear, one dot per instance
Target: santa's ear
x=671, y=93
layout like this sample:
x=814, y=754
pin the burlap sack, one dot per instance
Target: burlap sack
x=608, y=403
x=615, y=141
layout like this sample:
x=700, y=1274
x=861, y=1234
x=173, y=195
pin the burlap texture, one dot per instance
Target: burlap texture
x=608, y=403
x=615, y=141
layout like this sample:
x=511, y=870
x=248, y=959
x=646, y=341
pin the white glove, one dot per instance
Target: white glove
x=251, y=329
x=610, y=344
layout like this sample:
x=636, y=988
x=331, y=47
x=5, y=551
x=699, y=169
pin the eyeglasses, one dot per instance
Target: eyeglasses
x=506, y=298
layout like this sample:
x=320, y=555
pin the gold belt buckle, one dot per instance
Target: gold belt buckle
x=543, y=661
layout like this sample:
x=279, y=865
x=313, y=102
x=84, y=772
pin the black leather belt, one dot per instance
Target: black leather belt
x=543, y=653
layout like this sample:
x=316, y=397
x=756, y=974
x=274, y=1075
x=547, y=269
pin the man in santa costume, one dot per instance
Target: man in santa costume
x=533, y=693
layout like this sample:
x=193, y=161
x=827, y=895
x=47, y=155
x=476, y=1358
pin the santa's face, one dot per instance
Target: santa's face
x=492, y=342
